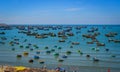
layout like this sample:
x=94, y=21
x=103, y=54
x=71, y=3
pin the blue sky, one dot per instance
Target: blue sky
x=60, y=11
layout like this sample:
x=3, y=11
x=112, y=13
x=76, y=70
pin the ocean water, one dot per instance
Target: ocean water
x=8, y=56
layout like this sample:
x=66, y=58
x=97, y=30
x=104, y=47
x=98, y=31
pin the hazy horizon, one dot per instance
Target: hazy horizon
x=60, y=11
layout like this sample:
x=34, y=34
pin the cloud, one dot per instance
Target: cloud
x=73, y=9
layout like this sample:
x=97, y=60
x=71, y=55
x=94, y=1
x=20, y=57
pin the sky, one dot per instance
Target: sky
x=60, y=11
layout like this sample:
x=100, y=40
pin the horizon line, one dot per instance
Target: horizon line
x=58, y=24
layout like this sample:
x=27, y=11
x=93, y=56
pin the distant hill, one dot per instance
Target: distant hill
x=3, y=24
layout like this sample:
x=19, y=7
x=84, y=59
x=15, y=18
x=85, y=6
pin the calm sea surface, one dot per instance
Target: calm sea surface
x=109, y=58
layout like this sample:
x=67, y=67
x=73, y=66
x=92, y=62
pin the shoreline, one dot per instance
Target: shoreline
x=7, y=68
x=68, y=68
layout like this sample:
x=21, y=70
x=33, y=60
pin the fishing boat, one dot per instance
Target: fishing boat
x=41, y=61
x=31, y=61
x=25, y=53
x=19, y=56
x=75, y=43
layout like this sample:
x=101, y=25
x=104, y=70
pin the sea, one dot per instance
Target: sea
x=15, y=41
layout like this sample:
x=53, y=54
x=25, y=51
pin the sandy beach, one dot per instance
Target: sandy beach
x=69, y=69
x=23, y=69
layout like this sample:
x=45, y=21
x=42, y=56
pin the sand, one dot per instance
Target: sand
x=27, y=69
x=71, y=69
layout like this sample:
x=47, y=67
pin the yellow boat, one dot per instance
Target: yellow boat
x=25, y=53
x=19, y=68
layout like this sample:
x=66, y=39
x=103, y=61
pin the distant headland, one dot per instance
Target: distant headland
x=3, y=24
